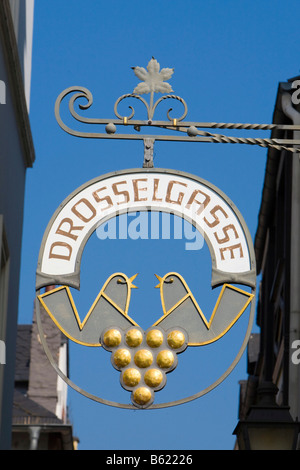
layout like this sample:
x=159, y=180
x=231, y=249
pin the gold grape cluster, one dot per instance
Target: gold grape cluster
x=144, y=358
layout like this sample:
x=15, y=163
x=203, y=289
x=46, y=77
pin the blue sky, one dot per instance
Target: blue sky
x=228, y=58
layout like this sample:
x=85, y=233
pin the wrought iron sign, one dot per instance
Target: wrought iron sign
x=154, y=81
x=143, y=358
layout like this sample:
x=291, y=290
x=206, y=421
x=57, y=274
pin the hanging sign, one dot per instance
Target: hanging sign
x=143, y=358
x=146, y=190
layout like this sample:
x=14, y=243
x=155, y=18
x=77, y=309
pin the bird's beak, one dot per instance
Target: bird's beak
x=130, y=282
x=160, y=281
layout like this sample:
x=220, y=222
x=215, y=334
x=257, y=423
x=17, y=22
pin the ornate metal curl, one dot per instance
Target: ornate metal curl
x=154, y=80
x=150, y=108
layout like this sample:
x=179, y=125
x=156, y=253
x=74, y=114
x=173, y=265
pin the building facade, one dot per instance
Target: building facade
x=274, y=353
x=40, y=414
x=16, y=156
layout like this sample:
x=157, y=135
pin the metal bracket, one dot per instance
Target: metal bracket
x=148, y=153
x=153, y=81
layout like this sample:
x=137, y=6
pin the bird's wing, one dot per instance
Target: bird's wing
x=186, y=313
x=104, y=312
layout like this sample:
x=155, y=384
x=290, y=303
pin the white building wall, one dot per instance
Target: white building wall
x=62, y=388
x=23, y=16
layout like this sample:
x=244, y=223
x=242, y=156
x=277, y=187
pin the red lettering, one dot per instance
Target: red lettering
x=225, y=231
x=169, y=189
x=136, y=190
x=118, y=193
x=71, y=229
x=155, y=189
x=202, y=204
x=231, y=249
x=88, y=205
x=216, y=219
x=61, y=254
x=100, y=199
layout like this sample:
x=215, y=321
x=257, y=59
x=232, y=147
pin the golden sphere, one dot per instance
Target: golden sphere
x=153, y=377
x=131, y=377
x=134, y=338
x=112, y=338
x=122, y=357
x=143, y=358
x=165, y=359
x=142, y=395
x=154, y=338
x=176, y=339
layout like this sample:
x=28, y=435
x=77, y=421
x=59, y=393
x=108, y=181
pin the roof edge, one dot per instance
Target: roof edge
x=269, y=186
x=12, y=57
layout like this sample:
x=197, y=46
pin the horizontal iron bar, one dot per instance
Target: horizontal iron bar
x=164, y=137
x=214, y=125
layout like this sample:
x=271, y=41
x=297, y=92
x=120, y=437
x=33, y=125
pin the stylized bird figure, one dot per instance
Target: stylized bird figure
x=181, y=309
x=109, y=308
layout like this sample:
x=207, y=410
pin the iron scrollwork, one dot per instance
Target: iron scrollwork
x=154, y=80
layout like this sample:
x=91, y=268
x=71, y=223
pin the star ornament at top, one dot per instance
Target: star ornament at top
x=153, y=79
